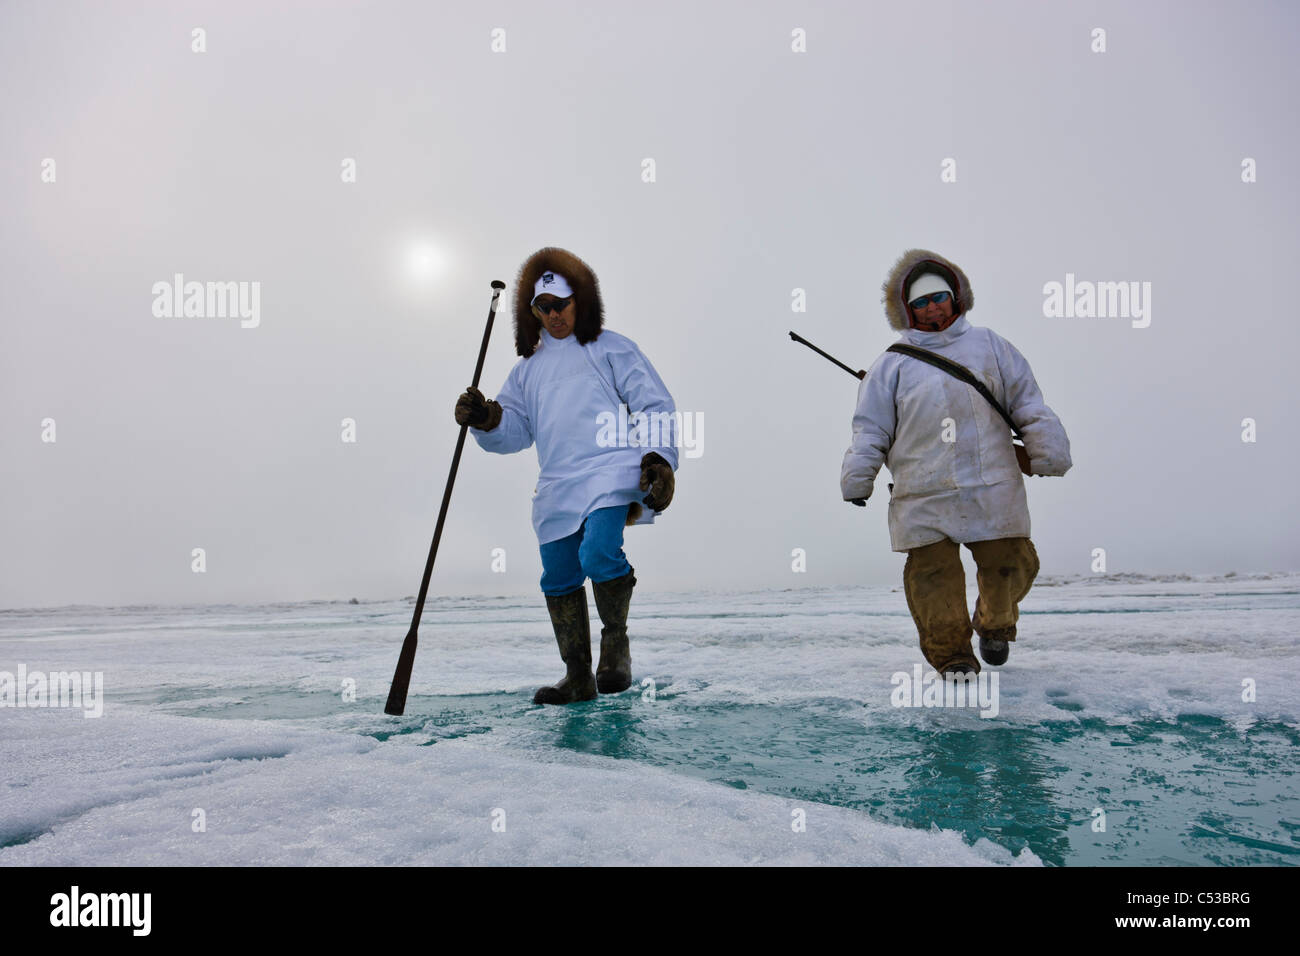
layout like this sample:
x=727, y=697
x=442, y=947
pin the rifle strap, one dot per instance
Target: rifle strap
x=958, y=371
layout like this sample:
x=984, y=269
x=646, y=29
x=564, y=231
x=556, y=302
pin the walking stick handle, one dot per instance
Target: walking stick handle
x=497, y=286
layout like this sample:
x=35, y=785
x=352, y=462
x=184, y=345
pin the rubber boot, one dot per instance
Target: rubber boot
x=573, y=634
x=993, y=650
x=994, y=642
x=614, y=673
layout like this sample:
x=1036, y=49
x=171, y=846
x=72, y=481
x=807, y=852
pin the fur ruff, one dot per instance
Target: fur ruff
x=586, y=292
x=913, y=263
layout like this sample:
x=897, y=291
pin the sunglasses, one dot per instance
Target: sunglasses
x=547, y=306
x=938, y=298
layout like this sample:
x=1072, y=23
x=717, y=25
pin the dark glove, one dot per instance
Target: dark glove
x=473, y=409
x=860, y=502
x=657, y=478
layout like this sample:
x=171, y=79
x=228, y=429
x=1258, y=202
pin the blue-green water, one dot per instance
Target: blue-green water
x=1124, y=703
x=1191, y=791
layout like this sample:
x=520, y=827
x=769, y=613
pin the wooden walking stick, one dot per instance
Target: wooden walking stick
x=402, y=676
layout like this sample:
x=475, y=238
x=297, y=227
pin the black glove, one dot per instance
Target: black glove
x=860, y=502
x=657, y=478
x=473, y=409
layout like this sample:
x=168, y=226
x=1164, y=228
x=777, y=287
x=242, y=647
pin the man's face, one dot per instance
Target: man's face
x=559, y=324
x=933, y=316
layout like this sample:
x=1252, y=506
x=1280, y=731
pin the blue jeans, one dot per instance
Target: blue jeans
x=593, y=551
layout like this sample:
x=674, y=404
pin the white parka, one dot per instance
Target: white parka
x=591, y=402
x=566, y=399
x=949, y=452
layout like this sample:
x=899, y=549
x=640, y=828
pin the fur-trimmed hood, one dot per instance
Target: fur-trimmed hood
x=586, y=292
x=913, y=263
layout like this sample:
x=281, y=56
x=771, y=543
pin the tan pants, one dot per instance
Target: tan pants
x=935, y=583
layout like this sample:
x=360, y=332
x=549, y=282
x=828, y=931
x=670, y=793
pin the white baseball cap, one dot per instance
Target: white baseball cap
x=551, y=283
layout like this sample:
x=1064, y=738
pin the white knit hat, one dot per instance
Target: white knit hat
x=925, y=285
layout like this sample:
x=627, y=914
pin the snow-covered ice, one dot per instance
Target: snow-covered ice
x=752, y=713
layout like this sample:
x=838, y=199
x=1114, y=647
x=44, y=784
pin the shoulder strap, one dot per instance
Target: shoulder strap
x=956, y=370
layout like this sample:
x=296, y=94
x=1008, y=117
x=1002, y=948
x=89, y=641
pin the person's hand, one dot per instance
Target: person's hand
x=475, y=410
x=657, y=478
x=860, y=502
x=1022, y=458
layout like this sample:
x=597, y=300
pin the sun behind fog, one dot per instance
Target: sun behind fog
x=425, y=261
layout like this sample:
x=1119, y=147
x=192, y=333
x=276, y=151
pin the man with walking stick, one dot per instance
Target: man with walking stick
x=957, y=479
x=572, y=379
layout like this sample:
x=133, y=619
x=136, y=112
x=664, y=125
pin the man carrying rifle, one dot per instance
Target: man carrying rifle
x=955, y=470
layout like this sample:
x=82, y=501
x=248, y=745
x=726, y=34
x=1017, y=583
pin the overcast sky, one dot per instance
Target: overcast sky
x=774, y=170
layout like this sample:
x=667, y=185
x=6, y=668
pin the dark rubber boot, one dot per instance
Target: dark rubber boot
x=573, y=634
x=994, y=647
x=614, y=673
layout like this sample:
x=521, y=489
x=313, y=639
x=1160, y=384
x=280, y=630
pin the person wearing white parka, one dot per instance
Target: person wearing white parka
x=573, y=378
x=956, y=478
